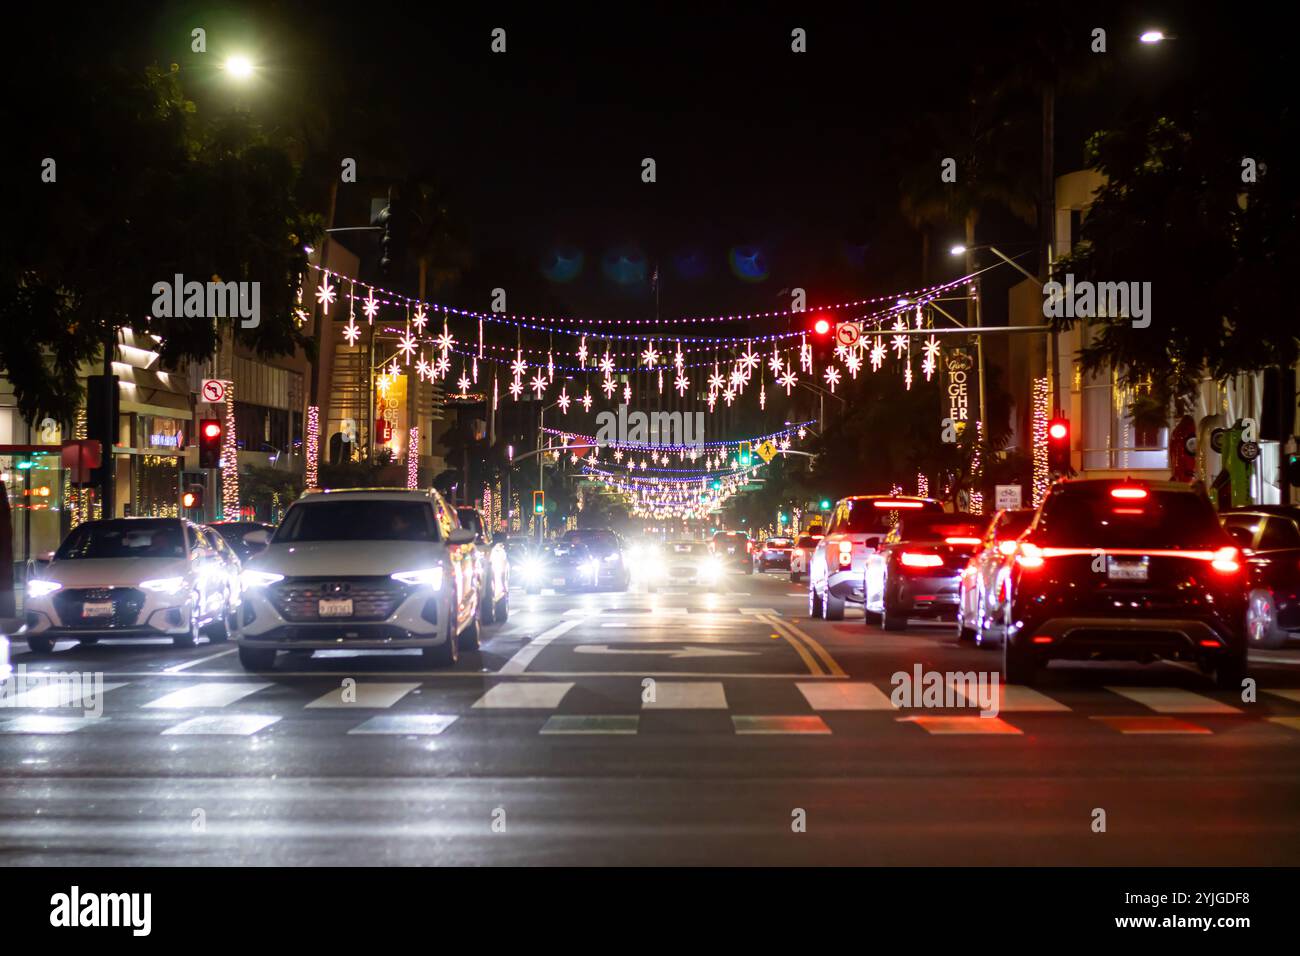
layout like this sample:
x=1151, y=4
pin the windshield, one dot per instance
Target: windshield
x=874, y=516
x=779, y=542
x=808, y=541
x=358, y=520
x=1013, y=523
x=599, y=542
x=233, y=535
x=928, y=527
x=470, y=520
x=1095, y=519
x=124, y=538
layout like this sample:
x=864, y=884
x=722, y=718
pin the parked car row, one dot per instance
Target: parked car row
x=1103, y=569
x=356, y=568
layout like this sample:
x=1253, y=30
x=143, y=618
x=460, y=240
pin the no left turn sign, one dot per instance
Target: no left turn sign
x=847, y=333
x=214, y=390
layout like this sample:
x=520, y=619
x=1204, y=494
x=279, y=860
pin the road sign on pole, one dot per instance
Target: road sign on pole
x=213, y=390
x=767, y=451
x=848, y=333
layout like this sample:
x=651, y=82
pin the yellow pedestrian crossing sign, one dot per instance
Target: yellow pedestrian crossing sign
x=766, y=451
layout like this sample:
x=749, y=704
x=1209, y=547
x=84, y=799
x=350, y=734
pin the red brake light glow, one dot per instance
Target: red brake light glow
x=913, y=560
x=892, y=505
x=1030, y=555
x=846, y=553
x=1128, y=492
x=960, y=540
x=1007, y=547
x=1225, y=561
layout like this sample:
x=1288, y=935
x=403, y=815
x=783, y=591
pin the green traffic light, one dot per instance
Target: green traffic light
x=826, y=505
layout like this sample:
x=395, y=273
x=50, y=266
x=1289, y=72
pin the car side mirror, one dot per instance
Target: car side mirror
x=257, y=539
x=461, y=536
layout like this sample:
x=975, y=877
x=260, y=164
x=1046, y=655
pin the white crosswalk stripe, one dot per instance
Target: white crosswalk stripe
x=1173, y=700
x=533, y=695
x=364, y=694
x=208, y=694
x=81, y=694
x=223, y=725
x=1013, y=697
x=46, y=724
x=687, y=695
x=844, y=695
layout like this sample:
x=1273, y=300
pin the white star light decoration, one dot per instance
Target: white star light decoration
x=564, y=399
x=539, y=384
x=586, y=400
x=463, y=382
x=609, y=385
x=716, y=381
x=682, y=384
x=788, y=380
x=749, y=361
x=351, y=332
x=878, y=353
x=407, y=346
x=853, y=363
x=516, y=389
x=650, y=356
x=442, y=365
x=325, y=293
x=899, y=343
x=445, y=341
x=607, y=364
x=805, y=355
x=931, y=360
x=518, y=367
x=627, y=392
x=424, y=369
x=582, y=351
x=679, y=359
x=371, y=307
x=729, y=395
x=762, y=396
x=832, y=377
x=420, y=320
x=775, y=363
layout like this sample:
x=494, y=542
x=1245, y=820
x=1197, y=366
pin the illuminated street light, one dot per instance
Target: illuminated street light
x=238, y=66
x=1152, y=36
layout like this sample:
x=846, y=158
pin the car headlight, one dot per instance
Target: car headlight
x=593, y=568
x=710, y=567
x=164, y=585
x=38, y=589
x=258, y=579
x=613, y=558
x=531, y=570
x=422, y=577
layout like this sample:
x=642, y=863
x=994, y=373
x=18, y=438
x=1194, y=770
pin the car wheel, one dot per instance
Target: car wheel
x=832, y=607
x=40, y=645
x=814, y=601
x=502, y=610
x=1261, y=620
x=964, y=634
x=486, y=606
x=257, y=658
x=219, y=630
x=794, y=577
x=983, y=639
x=469, y=638
x=1230, y=672
x=448, y=652
x=1017, y=666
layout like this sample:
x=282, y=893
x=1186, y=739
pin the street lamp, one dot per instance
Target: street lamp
x=238, y=66
x=1153, y=36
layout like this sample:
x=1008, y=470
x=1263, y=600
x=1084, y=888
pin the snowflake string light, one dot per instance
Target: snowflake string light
x=785, y=443
x=441, y=366
x=371, y=307
x=627, y=392
x=832, y=376
x=516, y=388
x=423, y=368
x=407, y=345
x=564, y=400
x=351, y=332
x=679, y=359
x=586, y=400
x=550, y=367
x=539, y=384
x=899, y=342
x=682, y=383
x=907, y=374
x=518, y=367
x=841, y=351
x=737, y=378
x=650, y=356
x=420, y=320
x=729, y=395
x=445, y=342
x=661, y=381
x=919, y=317
x=788, y=380
x=805, y=355
x=853, y=363
x=463, y=382
x=712, y=399
x=762, y=396
x=618, y=454
x=607, y=364
x=609, y=385
x=582, y=351
x=931, y=360
x=716, y=381
x=878, y=353
x=326, y=293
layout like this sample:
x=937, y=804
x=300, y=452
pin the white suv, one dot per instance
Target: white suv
x=837, y=565
x=131, y=578
x=370, y=569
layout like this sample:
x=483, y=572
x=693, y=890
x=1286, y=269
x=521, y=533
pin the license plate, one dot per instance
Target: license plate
x=336, y=607
x=557, y=582
x=97, y=609
x=1118, y=570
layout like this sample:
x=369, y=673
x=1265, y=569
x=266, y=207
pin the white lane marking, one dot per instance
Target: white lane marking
x=1013, y=697
x=528, y=653
x=759, y=610
x=406, y=724
x=693, y=695
x=223, y=725
x=207, y=695
x=479, y=675
x=1172, y=700
x=591, y=724
x=46, y=724
x=198, y=660
x=525, y=696
x=364, y=694
x=1289, y=694
x=56, y=694
x=844, y=696
x=675, y=653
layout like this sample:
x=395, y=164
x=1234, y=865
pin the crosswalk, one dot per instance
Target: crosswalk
x=603, y=706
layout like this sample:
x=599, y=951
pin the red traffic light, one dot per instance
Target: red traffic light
x=211, y=429
x=1058, y=446
x=1058, y=430
x=210, y=434
x=822, y=326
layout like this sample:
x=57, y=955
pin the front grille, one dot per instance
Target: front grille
x=127, y=603
x=373, y=598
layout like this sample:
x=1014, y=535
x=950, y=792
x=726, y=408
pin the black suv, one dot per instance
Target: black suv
x=1270, y=536
x=1129, y=570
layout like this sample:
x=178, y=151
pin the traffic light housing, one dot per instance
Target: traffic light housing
x=192, y=497
x=1058, y=446
x=539, y=502
x=1293, y=469
x=395, y=221
x=210, y=434
x=746, y=454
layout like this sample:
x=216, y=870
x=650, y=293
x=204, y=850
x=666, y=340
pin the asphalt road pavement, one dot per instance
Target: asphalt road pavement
x=686, y=727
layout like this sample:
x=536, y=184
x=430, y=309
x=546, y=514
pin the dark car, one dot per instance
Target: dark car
x=567, y=566
x=775, y=553
x=733, y=548
x=916, y=569
x=1270, y=537
x=607, y=548
x=492, y=568
x=1126, y=570
x=977, y=617
x=235, y=534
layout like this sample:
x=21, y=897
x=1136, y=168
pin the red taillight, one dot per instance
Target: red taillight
x=1007, y=547
x=892, y=505
x=1128, y=492
x=846, y=554
x=1211, y=642
x=1042, y=639
x=1226, y=561
x=961, y=540
x=911, y=559
x=1029, y=556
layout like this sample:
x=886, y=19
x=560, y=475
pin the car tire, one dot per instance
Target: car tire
x=257, y=659
x=794, y=577
x=40, y=645
x=192, y=638
x=832, y=607
x=469, y=638
x=1017, y=666
x=486, y=606
x=447, y=653
x=219, y=630
x=891, y=618
x=501, y=611
x=814, y=601
x=1261, y=620
x=965, y=635
x=1228, y=673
